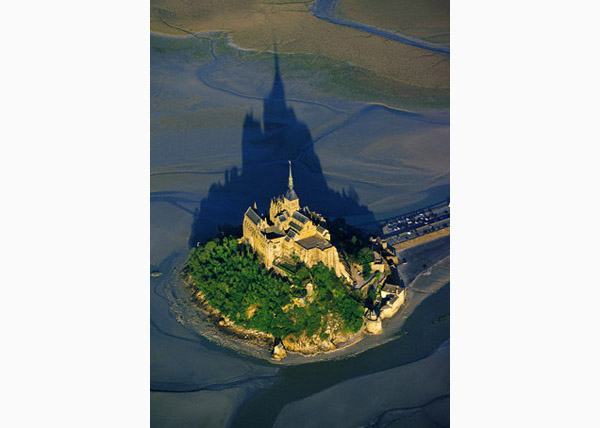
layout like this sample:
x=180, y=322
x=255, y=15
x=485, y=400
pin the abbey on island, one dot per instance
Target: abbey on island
x=290, y=234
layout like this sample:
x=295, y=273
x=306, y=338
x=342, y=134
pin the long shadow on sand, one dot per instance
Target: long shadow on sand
x=266, y=149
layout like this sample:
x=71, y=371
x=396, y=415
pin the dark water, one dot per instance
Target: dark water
x=222, y=132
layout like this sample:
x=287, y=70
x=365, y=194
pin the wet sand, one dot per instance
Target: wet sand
x=213, y=409
x=192, y=379
x=415, y=394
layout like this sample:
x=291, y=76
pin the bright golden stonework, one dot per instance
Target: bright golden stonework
x=290, y=234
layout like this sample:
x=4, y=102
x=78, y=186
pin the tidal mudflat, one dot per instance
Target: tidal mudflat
x=207, y=97
x=295, y=25
x=212, y=108
x=415, y=394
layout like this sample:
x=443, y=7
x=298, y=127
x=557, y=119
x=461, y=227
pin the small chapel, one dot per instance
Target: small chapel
x=290, y=234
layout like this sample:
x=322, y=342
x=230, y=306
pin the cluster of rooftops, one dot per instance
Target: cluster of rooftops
x=296, y=225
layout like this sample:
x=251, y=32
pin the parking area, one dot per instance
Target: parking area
x=417, y=223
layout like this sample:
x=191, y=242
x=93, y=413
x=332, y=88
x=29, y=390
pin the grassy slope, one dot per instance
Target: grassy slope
x=255, y=24
x=427, y=19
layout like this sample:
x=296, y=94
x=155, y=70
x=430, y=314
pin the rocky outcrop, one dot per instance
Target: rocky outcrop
x=307, y=345
x=316, y=344
x=279, y=351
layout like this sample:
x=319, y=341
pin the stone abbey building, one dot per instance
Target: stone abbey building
x=290, y=233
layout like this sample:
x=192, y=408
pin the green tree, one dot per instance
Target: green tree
x=234, y=281
x=366, y=269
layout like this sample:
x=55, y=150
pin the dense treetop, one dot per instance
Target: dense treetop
x=352, y=243
x=238, y=285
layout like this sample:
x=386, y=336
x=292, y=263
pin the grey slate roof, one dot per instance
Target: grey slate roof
x=390, y=288
x=296, y=226
x=300, y=217
x=290, y=195
x=314, y=242
x=253, y=216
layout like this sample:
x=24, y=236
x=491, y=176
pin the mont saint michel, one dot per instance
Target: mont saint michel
x=290, y=233
x=299, y=213
x=285, y=285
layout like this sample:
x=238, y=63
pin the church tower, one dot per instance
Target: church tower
x=290, y=195
x=288, y=202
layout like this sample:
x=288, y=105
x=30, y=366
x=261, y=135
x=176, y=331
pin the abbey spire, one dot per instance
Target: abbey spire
x=291, y=194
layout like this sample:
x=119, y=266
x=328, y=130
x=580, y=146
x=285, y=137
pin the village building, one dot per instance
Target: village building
x=290, y=234
x=390, y=289
x=392, y=298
